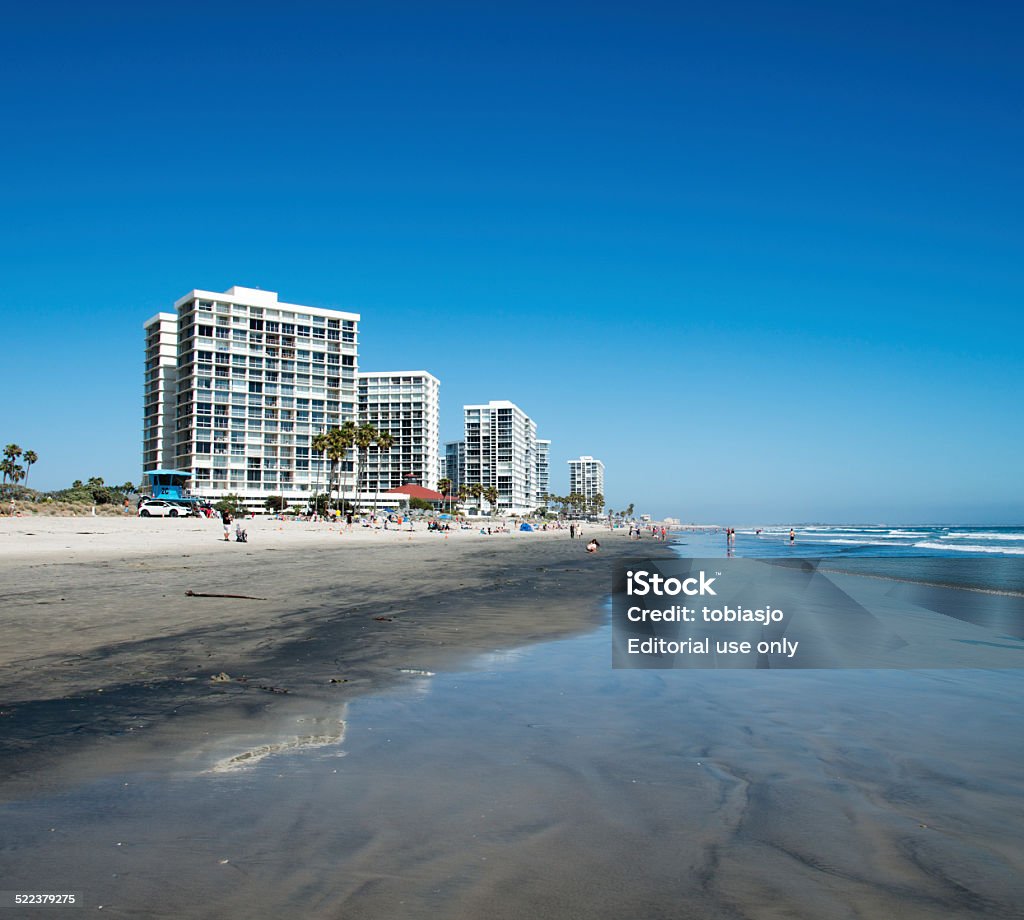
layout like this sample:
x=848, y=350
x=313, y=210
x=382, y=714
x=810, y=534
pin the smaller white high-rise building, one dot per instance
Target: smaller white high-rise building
x=158, y=409
x=542, y=477
x=500, y=444
x=404, y=404
x=586, y=477
x=455, y=463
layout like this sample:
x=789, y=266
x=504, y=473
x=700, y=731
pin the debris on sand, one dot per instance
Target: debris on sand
x=240, y=597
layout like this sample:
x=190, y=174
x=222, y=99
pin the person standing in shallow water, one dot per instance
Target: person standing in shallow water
x=792, y=536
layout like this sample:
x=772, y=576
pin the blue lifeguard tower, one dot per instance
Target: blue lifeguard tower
x=171, y=485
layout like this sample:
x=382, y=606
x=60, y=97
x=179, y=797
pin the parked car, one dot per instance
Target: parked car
x=157, y=507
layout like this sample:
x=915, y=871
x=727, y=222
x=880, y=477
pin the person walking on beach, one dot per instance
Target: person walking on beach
x=225, y=519
x=572, y=531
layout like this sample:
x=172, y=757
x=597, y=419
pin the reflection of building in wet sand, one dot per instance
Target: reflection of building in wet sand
x=331, y=730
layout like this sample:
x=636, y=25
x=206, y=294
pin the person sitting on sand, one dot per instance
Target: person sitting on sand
x=593, y=546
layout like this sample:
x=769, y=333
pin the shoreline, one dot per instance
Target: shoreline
x=427, y=728
x=101, y=641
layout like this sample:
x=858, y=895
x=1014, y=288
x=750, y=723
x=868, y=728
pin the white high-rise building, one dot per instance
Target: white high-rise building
x=256, y=380
x=542, y=479
x=586, y=477
x=161, y=371
x=404, y=404
x=500, y=445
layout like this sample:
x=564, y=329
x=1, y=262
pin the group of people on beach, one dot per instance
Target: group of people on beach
x=241, y=534
x=655, y=531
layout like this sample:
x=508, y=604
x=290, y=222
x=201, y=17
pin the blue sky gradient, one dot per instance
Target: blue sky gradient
x=764, y=260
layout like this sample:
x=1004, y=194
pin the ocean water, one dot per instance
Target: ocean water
x=989, y=559
x=882, y=540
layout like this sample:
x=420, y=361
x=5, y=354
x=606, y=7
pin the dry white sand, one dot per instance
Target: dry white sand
x=41, y=537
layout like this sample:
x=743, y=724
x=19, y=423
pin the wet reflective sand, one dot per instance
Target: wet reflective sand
x=538, y=782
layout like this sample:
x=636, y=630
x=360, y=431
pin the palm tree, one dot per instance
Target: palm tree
x=319, y=444
x=463, y=493
x=444, y=486
x=339, y=443
x=346, y=439
x=16, y=473
x=597, y=503
x=363, y=440
x=334, y=445
x=10, y=465
x=384, y=441
x=477, y=491
x=30, y=457
x=491, y=494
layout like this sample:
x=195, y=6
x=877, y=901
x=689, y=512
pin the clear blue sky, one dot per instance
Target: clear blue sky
x=765, y=260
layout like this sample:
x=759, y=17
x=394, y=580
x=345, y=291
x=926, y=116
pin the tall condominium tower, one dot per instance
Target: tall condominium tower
x=404, y=404
x=161, y=371
x=586, y=477
x=256, y=380
x=501, y=443
x=542, y=479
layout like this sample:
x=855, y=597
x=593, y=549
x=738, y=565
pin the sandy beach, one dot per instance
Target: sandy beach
x=431, y=728
x=106, y=606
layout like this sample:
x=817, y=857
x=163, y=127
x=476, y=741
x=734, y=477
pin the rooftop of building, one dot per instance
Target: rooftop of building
x=257, y=297
x=417, y=491
x=160, y=317
x=362, y=374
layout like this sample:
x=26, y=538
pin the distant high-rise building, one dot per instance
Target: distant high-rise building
x=404, y=404
x=542, y=478
x=455, y=463
x=500, y=444
x=586, y=477
x=255, y=380
x=159, y=389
